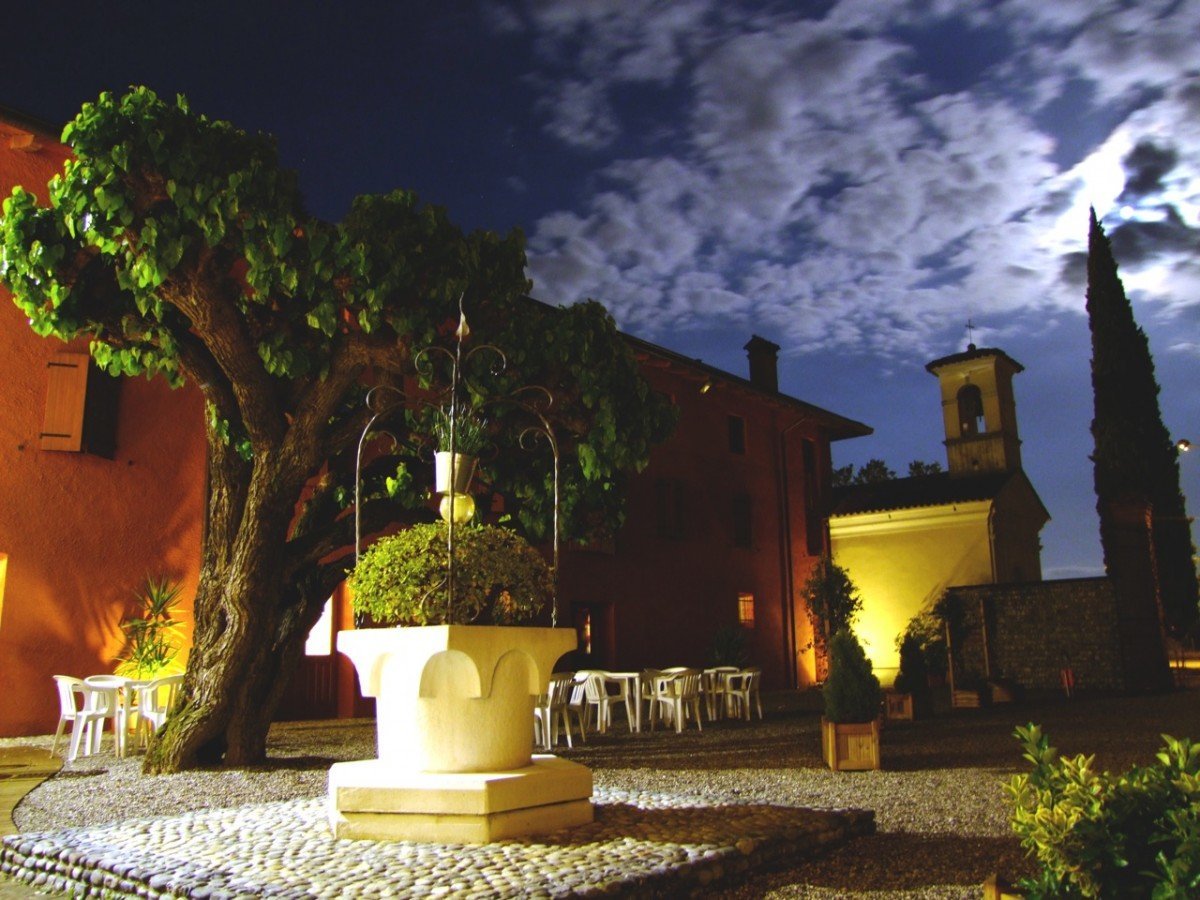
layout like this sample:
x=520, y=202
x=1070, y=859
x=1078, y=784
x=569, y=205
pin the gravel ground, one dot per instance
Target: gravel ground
x=940, y=808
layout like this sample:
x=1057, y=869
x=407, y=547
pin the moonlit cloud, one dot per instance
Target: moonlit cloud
x=819, y=180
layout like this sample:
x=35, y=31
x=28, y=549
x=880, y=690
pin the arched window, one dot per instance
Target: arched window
x=970, y=410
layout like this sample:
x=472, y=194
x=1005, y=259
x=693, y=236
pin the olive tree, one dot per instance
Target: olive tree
x=182, y=249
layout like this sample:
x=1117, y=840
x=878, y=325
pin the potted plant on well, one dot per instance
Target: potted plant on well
x=454, y=698
x=850, y=726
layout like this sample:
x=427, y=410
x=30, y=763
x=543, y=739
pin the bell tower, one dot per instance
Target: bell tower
x=979, y=411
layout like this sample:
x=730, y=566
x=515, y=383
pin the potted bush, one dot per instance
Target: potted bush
x=151, y=644
x=850, y=726
x=470, y=437
x=455, y=700
x=910, y=696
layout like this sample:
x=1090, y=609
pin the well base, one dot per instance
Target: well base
x=370, y=799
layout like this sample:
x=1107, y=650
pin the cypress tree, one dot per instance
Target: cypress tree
x=1134, y=454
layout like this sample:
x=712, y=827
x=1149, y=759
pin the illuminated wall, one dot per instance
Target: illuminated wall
x=902, y=560
x=81, y=532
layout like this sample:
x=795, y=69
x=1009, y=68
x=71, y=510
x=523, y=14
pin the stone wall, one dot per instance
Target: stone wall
x=1035, y=629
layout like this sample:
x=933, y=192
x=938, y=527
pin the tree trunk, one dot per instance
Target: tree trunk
x=249, y=631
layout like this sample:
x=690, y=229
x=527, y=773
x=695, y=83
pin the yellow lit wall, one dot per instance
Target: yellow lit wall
x=902, y=560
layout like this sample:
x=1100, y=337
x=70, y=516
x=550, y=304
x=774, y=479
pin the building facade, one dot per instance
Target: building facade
x=905, y=542
x=99, y=490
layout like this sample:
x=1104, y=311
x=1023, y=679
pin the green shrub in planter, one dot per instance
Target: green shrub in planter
x=851, y=691
x=498, y=578
x=1101, y=835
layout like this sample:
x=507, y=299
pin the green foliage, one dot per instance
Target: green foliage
x=151, y=637
x=918, y=468
x=729, y=647
x=470, y=430
x=182, y=248
x=928, y=632
x=851, y=691
x=832, y=601
x=874, y=471
x=913, y=677
x=401, y=579
x=1100, y=835
x=1134, y=455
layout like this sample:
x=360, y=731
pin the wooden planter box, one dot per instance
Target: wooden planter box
x=898, y=707
x=850, y=746
x=965, y=699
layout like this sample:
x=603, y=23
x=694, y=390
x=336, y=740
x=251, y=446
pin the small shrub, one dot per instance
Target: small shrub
x=729, y=647
x=150, y=638
x=1101, y=835
x=913, y=677
x=851, y=691
x=401, y=579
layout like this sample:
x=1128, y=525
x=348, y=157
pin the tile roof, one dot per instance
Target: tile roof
x=923, y=490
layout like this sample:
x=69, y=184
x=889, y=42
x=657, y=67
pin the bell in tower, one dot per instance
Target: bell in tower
x=979, y=411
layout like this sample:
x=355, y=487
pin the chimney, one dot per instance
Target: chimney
x=764, y=363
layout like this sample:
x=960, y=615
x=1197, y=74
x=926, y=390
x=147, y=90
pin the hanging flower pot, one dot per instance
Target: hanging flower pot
x=463, y=471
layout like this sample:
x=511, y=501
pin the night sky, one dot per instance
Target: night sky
x=854, y=180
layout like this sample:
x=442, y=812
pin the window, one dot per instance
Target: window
x=970, y=410
x=743, y=522
x=746, y=610
x=737, y=435
x=668, y=500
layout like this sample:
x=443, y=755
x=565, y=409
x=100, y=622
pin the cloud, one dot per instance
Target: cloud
x=815, y=182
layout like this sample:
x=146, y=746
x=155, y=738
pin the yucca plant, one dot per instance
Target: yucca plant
x=151, y=637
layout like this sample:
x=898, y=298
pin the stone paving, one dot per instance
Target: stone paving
x=641, y=845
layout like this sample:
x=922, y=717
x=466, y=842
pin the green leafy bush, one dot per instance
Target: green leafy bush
x=851, y=691
x=833, y=601
x=401, y=579
x=1101, y=835
x=150, y=638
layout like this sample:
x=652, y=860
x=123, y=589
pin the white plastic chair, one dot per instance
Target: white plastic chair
x=155, y=699
x=101, y=702
x=595, y=697
x=71, y=696
x=741, y=689
x=676, y=695
x=552, y=710
x=712, y=686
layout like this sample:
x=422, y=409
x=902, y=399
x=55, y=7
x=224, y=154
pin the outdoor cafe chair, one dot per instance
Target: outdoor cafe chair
x=676, y=694
x=101, y=702
x=154, y=701
x=597, y=695
x=71, y=697
x=712, y=686
x=741, y=689
x=552, y=710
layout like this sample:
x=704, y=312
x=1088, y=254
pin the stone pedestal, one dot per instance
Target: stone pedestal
x=455, y=724
x=367, y=799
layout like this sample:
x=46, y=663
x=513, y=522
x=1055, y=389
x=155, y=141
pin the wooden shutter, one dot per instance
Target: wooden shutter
x=66, y=396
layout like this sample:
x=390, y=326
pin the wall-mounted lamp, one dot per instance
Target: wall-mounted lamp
x=706, y=386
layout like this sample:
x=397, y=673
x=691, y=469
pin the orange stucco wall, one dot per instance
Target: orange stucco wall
x=82, y=533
